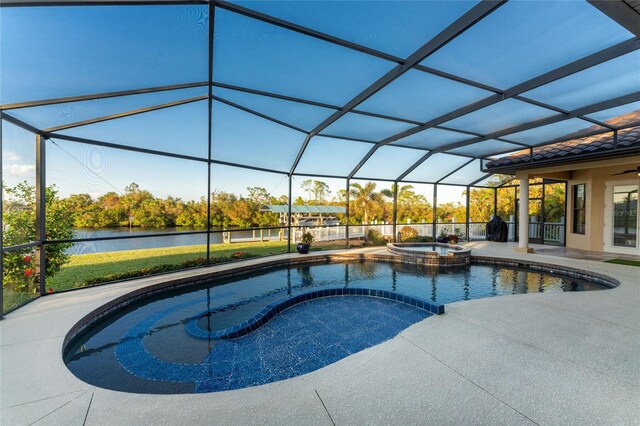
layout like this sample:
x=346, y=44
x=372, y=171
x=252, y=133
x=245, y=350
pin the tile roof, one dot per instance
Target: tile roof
x=596, y=144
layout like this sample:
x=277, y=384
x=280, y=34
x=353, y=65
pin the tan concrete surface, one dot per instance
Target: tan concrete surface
x=569, y=358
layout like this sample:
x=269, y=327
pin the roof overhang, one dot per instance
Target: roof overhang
x=620, y=153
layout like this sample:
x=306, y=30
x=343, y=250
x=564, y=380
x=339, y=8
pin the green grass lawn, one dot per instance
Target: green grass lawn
x=11, y=299
x=624, y=262
x=82, y=267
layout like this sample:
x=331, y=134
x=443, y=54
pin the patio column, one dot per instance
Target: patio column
x=523, y=220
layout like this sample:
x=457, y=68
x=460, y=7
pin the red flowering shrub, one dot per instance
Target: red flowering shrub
x=19, y=223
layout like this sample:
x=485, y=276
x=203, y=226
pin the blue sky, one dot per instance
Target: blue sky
x=65, y=51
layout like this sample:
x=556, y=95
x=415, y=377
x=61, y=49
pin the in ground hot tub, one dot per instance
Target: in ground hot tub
x=436, y=254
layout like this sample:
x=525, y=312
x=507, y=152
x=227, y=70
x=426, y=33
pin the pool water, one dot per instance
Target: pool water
x=146, y=347
x=442, y=251
x=302, y=339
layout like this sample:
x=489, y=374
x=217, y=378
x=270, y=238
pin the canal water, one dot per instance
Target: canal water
x=150, y=242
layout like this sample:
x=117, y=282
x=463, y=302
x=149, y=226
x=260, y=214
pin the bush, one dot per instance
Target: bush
x=418, y=240
x=307, y=238
x=408, y=232
x=19, y=221
x=374, y=238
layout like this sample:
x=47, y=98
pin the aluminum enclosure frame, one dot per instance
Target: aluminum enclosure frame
x=615, y=11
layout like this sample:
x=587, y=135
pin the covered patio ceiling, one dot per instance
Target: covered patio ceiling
x=422, y=92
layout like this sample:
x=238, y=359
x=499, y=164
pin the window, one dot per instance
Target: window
x=625, y=219
x=579, y=212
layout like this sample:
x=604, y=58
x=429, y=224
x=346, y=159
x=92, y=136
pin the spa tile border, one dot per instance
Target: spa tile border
x=458, y=256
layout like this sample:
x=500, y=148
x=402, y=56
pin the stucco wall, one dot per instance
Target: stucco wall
x=595, y=175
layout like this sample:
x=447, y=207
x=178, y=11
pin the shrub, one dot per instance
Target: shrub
x=408, y=232
x=375, y=238
x=19, y=221
x=418, y=240
x=307, y=238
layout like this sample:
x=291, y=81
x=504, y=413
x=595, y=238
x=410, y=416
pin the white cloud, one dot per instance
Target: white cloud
x=10, y=156
x=20, y=170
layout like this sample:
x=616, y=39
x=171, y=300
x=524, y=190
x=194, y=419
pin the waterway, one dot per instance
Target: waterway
x=150, y=242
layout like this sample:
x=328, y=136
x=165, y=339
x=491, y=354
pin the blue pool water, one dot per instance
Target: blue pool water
x=302, y=339
x=147, y=347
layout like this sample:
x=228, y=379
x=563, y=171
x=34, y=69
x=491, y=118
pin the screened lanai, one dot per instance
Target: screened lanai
x=173, y=132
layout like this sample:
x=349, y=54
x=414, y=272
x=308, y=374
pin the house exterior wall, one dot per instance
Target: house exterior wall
x=595, y=175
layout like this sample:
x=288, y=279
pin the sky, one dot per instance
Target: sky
x=66, y=51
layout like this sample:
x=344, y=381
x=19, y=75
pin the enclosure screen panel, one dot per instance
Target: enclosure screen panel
x=257, y=55
x=51, y=52
x=371, y=23
x=522, y=40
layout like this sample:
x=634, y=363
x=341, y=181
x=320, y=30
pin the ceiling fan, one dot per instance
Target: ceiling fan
x=636, y=171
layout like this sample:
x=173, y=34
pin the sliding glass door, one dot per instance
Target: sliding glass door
x=621, y=228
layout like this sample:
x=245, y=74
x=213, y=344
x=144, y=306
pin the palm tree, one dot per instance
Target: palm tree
x=365, y=196
x=405, y=193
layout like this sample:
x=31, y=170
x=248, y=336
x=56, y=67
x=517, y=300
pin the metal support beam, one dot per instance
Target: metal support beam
x=346, y=229
x=124, y=114
x=455, y=170
x=468, y=198
x=620, y=12
x=290, y=202
x=475, y=182
x=463, y=23
x=566, y=195
x=233, y=7
x=212, y=11
x=96, y=96
x=611, y=103
x=600, y=106
x=495, y=202
x=162, y=153
x=1, y=224
x=395, y=211
x=300, y=153
x=556, y=74
x=366, y=113
x=57, y=3
x=41, y=213
x=19, y=123
x=434, y=214
x=258, y=114
x=542, y=212
x=123, y=147
x=414, y=166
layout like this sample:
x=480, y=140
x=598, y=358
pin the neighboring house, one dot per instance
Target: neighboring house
x=603, y=175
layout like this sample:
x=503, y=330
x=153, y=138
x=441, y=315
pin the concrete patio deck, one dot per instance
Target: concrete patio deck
x=569, y=358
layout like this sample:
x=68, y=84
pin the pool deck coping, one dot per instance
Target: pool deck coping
x=464, y=366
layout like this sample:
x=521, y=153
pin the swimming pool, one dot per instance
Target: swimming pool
x=153, y=346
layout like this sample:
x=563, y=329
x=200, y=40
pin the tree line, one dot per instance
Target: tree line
x=367, y=204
